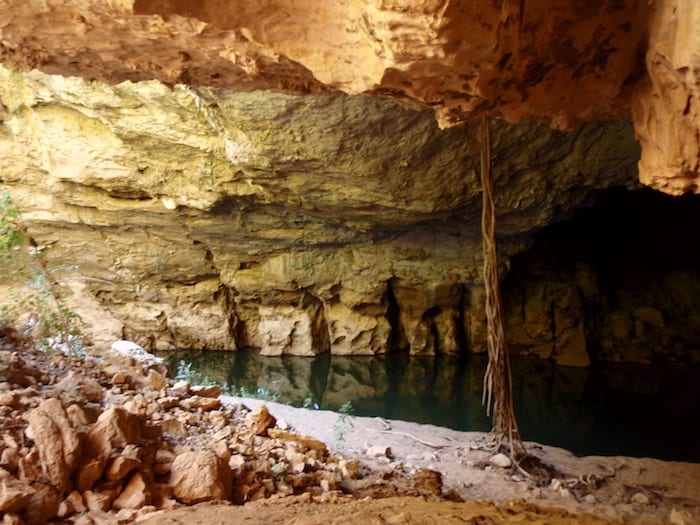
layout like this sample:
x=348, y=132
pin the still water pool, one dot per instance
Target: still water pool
x=615, y=409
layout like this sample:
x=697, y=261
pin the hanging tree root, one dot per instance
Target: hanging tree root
x=498, y=393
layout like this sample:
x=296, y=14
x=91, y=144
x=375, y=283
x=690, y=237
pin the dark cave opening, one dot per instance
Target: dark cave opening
x=624, y=274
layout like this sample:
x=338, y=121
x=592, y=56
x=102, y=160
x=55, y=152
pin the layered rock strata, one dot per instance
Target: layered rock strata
x=185, y=218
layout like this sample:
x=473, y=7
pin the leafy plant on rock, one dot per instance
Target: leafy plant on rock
x=30, y=287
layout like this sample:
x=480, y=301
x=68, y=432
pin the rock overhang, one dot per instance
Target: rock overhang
x=559, y=62
x=232, y=194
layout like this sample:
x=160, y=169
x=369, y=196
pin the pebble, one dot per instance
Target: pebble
x=640, y=498
x=590, y=499
x=378, y=451
x=501, y=461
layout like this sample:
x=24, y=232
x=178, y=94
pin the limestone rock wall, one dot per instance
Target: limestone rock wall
x=667, y=106
x=202, y=218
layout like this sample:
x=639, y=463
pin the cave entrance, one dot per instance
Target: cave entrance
x=619, y=282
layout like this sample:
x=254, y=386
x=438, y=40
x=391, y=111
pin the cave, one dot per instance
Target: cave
x=621, y=273
x=284, y=195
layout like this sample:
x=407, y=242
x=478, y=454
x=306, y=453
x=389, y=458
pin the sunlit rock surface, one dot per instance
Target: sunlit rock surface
x=560, y=62
x=184, y=218
x=667, y=107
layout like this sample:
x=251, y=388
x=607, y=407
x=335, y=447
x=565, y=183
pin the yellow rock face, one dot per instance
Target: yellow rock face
x=204, y=218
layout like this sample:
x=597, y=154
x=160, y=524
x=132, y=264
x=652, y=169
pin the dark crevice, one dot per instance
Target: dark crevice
x=320, y=331
x=226, y=296
x=461, y=330
x=398, y=342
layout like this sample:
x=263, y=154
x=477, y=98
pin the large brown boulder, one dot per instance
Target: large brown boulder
x=58, y=443
x=200, y=476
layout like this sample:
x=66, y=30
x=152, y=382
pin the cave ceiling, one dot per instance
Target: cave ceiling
x=559, y=62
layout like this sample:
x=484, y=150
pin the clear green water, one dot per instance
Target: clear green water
x=627, y=409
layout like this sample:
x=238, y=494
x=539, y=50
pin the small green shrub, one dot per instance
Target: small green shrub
x=264, y=394
x=309, y=403
x=344, y=425
x=31, y=287
x=185, y=372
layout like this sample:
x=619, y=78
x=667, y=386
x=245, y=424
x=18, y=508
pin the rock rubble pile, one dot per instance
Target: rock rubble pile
x=108, y=440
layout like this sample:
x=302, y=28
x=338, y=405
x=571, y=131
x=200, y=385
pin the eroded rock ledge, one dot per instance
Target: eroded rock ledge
x=557, y=62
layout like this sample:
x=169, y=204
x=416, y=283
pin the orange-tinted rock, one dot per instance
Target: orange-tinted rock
x=14, y=494
x=80, y=387
x=97, y=501
x=88, y=472
x=305, y=443
x=156, y=381
x=460, y=57
x=200, y=476
x=43, y=505
x=135, y=494
x=115, y=428
x=557, y=62
x=73, y=503
x=260, y=420
x=29, y=466
x=200, y=402
x=667, y=107
x=56, y=440
x=206, y=390
x=120, y=466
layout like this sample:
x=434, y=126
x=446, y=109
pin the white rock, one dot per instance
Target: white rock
x=500, y=460
x=565, y=493
x=181, y=387
x=128, y=353
x=168, y=203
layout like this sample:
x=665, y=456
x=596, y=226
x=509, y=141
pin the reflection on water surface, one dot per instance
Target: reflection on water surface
x=617, y=409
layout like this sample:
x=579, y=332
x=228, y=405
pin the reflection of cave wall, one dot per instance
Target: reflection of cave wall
x=587, y=410
x=619, y=282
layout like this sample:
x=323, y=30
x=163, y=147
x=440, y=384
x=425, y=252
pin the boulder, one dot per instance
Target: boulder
x=14, y=494
x=43, y=504
x=115, y=428
x=80, y=387
x=73, y=503
x=260, y=420
x=120, y=466
x=135, y=494
x=56, y=440
x=200, y=476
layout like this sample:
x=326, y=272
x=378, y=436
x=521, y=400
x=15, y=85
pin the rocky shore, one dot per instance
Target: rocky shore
x=114, y=440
